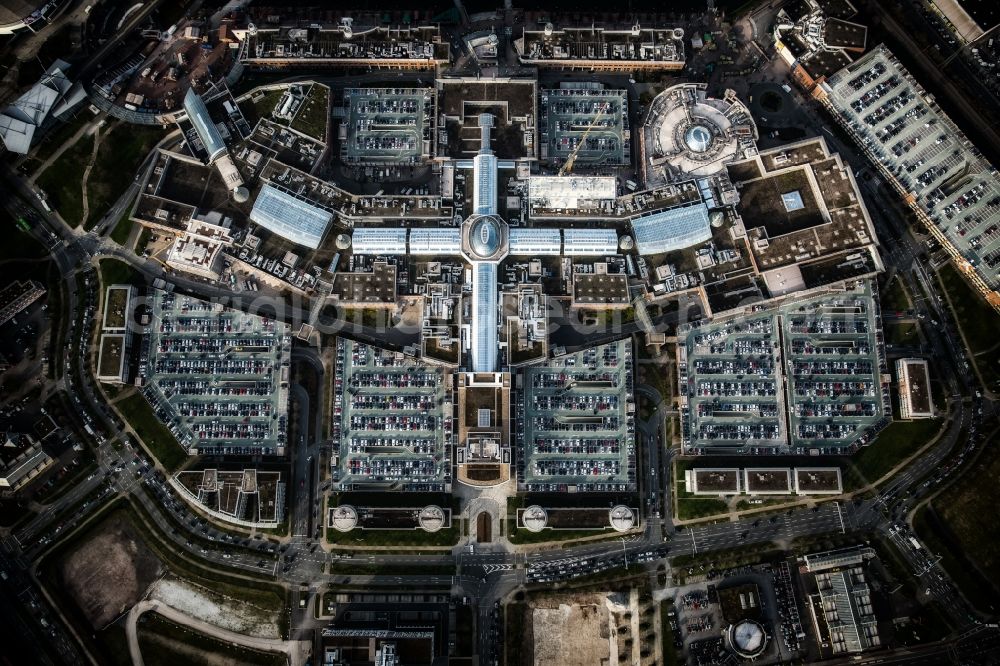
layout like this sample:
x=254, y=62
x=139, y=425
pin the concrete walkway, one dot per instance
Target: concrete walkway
x=296, y=651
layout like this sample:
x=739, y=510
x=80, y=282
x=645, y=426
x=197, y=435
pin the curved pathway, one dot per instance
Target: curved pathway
x=296, y=651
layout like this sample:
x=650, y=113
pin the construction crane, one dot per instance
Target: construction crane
x=567, y=166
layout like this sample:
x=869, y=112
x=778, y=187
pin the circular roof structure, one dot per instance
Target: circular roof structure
x=625, y=242
x=431, y=518
x=534, y=518
x=622, y=518
x=748, y=638
x=689, y=134
x=344, y=518
x=485, y=235
x=698, y=138
x=241, y=194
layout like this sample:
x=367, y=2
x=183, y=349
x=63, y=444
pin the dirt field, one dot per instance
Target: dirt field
x=216, y=609
x=578, y=630
x=109, y=572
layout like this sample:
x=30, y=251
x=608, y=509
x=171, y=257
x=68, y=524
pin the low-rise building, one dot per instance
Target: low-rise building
x=198, y=250
x=51, y=97
x=21, y=459
x=16, y=296
x=595, y=48
x=914, y=381
x=247, y=497
x=815, y=38
x=840, y=600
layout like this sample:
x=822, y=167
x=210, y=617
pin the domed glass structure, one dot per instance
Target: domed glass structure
x=747, y=638
x=484, y=236
x=698, y=138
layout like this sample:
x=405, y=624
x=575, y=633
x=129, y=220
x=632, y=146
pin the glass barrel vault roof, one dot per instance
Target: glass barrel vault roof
x=672, y=229
x=290, y=217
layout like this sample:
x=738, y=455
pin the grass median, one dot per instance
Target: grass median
x=157, y=438
x=978, y=321
x=444, y=538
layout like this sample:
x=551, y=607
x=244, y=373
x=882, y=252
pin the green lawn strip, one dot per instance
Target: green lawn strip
x=59, y=135
x=893, y=298
x=61, y=180
x=979, y=323
x=349, y=568
x=701, y=507
x=515, y=638
x=744, y=504
x=152, y=432
x=522, y=536
x=121, y=153
x=894, y=444
x=903, y=334
x=897, y=441
x=143, y=240
x=444, y=537
x=152, y=626
x=723, y=559
x=311, y=119
x=114, y=271
x=123, y=228
x=55, y=300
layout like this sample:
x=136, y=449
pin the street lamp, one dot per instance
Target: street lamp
x=624, y=552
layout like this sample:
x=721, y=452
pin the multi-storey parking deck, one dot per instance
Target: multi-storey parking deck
x=575, y=418
x=952, y=188
x=733, y=383
x=808, y=374
x=596, y=118
x=392, y=421
x=387, y=125
x=218, y=378
x=836, y=394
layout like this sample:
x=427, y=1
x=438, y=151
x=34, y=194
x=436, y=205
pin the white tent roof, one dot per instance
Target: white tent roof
x=19, y=121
